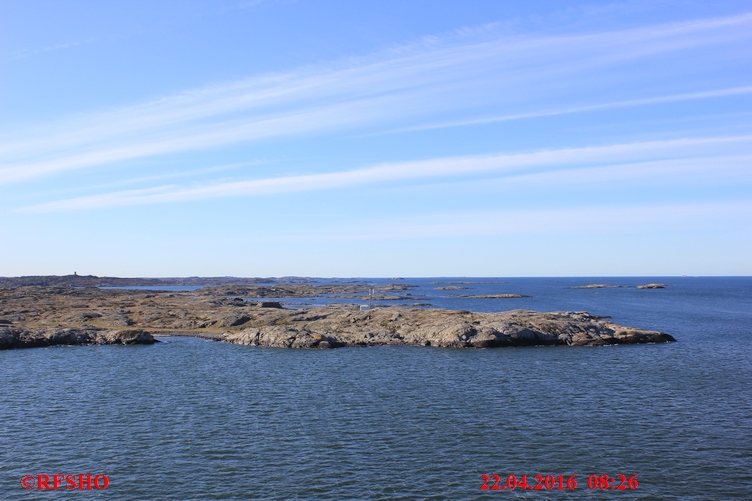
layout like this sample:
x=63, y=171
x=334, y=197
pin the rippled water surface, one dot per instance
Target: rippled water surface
x=194, y=419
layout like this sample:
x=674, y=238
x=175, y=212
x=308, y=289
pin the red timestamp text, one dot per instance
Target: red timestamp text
x=556, y=482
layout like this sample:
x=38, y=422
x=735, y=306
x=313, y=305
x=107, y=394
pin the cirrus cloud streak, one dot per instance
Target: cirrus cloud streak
x=406, y=84
x=650, y=158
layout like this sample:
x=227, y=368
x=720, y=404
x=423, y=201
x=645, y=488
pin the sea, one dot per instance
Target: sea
x=192, y=419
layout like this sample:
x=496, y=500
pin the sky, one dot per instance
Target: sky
x=341, y=138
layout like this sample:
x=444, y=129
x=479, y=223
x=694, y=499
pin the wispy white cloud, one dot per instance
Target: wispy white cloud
x=246, y=4
x=188, y=138
x=616, y=220
x=688, y=96
x=160, y=177
x=674, y=156
x=375, y=91
x=26, y=53
x=602, y=219
x=249, y=4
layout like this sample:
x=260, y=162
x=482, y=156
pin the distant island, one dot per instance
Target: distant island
x=609, y=286
x=35, y=313
x=76, y=280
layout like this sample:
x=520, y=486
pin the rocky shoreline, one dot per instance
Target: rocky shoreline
x=23, y=337
x=47, y=316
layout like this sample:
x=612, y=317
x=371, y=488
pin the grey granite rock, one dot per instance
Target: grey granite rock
x=44, y=316
x=22, y=337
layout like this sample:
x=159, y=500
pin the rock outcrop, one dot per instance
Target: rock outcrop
x=598, y=286
x=46, y=316
x=609, y=286
x=22, y=337
x=434, y=327
x=494, y=296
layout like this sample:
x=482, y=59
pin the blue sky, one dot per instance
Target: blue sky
x=390, y=138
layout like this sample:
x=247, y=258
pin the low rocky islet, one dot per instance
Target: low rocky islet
x=44, y=316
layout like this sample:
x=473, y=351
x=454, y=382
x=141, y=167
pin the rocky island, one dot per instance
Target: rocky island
x=610, y=286
x=42, y=315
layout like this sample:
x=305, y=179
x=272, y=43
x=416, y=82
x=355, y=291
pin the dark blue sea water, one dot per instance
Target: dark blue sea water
x=194, y=419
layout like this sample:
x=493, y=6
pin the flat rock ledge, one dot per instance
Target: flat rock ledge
x=318, y=328
x=22, y=337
